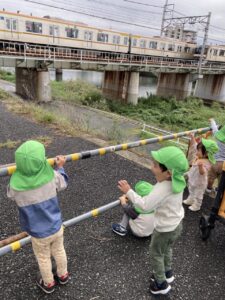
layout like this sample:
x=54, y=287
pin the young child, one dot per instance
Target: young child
x=139, y=222
x=216, y=169
x=198, y=173
x=168, y=166
x=34, y=187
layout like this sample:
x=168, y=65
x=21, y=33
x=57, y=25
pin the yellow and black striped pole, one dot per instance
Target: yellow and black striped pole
x=101, y=151
x=93, y=213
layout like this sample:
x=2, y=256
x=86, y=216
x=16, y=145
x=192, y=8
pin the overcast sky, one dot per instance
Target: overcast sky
x=126, y=11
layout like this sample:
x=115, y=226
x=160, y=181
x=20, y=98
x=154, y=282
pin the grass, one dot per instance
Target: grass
x=8, y=76
x=9, y=144
x=167, y=113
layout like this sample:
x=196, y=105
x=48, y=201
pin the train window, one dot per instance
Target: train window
x=11, y=24
x=142, y=43
x=215, y=52
x=171, y=47
x=33, y=27
x=187, y=49
x=103, y=37
x=153, y=45
x=1, y=18
x=88, y=35
x=222, y=52
x=8, y=24
x=53, y=30
x=125, y=40
x=116, y=39
x=134, y=42
x=71, y=32
x=162, y=46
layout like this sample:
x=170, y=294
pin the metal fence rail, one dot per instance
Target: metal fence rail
x=101, y=151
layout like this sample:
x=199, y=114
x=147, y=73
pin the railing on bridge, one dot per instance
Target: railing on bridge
x=53, y=53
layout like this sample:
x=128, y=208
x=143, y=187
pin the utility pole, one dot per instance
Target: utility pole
x=166, y=9
x=204, y=43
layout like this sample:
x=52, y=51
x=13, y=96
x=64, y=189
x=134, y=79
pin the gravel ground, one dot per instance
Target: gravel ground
x=103, y=266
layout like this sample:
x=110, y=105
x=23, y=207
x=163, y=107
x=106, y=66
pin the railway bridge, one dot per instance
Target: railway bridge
x=121, y=72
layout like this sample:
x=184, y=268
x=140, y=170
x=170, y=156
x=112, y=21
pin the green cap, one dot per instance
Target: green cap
x=176, y=162
x=211, y=148
x=32, y=168
x=220, y=134
x=143, y=188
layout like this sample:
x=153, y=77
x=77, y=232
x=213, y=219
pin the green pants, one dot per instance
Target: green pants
x=161, y=252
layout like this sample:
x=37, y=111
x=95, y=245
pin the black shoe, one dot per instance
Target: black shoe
x=63, y=279
x=156, y=288
x=169, y=276
x=48, y=289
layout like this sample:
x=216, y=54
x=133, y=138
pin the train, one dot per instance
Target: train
x=56, y=32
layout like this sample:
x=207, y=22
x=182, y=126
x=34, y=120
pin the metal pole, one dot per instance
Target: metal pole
x=204, y=43
x=163, y=18
x=101, y=151
x=93, y=213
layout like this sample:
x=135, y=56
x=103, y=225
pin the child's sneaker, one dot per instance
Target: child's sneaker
x=48, y=289
x=194, y=207
x=156, y=288
x=63, y=279
x=188, y=201
x=169, y=276
x=119, y=229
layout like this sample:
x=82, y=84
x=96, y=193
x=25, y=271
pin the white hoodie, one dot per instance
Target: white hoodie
x=168, y=206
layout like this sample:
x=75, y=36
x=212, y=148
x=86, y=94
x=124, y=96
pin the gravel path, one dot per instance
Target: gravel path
x=103, y=266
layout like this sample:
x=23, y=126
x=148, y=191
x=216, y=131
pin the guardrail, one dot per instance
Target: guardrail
x=102, y=151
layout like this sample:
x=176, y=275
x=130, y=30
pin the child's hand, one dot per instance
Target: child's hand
x=124, y=186
x=60, y=161
x=123, y=200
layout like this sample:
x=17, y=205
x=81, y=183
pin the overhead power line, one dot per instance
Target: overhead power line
x=145, y=4
x=91, y=15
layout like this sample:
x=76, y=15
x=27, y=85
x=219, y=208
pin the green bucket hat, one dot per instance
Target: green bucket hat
x=176, y=162
x=211, y=148
x=143, y=188
x=32, y=168
x=220, y=134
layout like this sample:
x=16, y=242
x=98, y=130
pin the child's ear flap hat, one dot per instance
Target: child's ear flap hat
x=220, y=134
x=211, y=148
x=176, y=162
x=32, y=168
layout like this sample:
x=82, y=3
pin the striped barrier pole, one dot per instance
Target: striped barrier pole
x=101, y=151
x=93, y=213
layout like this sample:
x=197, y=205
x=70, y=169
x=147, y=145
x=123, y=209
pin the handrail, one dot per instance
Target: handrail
x=101, y=151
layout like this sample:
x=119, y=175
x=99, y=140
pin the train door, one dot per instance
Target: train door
x=11, y=25
x=54, y=33
x=116, y=43
x=88, y=37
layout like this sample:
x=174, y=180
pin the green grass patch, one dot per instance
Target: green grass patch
x=8, y=76
x=167, y=113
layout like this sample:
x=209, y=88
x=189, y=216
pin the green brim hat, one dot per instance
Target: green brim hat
x=143, y=188
x=176, y=162
x=220, y=134
x=32, y=168
x=211, y=148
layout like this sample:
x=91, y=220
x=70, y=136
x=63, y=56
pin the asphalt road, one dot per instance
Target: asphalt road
x=103, y=266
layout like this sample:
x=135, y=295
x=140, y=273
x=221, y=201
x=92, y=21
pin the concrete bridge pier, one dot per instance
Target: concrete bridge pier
x=211, y=87
x=123, y=85
x=33, y=84
x=58, y=74
x=174, y=84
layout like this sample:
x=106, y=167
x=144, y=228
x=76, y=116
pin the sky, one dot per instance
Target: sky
x=127, y=15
